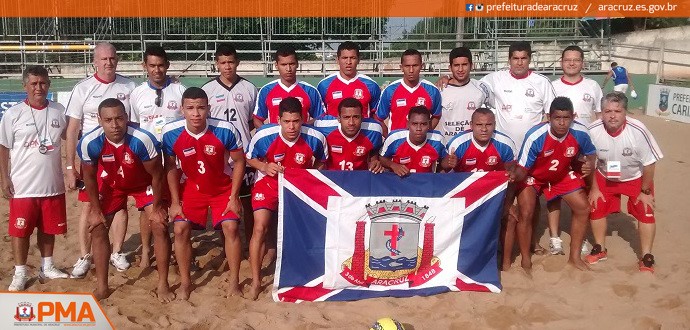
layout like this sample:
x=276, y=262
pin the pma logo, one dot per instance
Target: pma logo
x=25, y=312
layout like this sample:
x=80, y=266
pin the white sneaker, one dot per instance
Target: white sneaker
x=556, y=246
x=51, y=273
x=18, y=282
x=585, y=247
x=82, y=266
x=119, y=260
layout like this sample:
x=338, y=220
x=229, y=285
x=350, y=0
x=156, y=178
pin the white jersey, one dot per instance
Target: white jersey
x=586, y=97
x=520, y=103
x=150, y=116
x=634, y=148
x=458, y=105
x=24, y=130
x=233, y=103
x=90, y=92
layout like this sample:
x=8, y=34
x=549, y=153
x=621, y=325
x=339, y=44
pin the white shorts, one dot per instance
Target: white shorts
x=623, y=88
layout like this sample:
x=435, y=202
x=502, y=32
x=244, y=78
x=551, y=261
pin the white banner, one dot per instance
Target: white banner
x=669, y=102
x=51, y=311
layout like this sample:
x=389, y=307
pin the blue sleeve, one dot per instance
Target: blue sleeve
x=169, y=139
x=383, y=109
x=586, y=146
x=316, y=110
x=261, y=111
x=144, y=145
x=229, y=137
x=375, y=92
x=436, y=101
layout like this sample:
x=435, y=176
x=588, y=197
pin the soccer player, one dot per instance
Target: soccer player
x=621, y=79
x=30, y=143
x=233, y=98
x=415, y=149
x=348, y=83
x=271, y=94
x=401, y=95
x=154, y=103
x=203, y=146
x=82, y=113
x=132, y=158
x=627, y=154
x=483, y=149
x=586, y=96
x=354, y=141
x=548, y=153
x=462, y=95
x=273, y=148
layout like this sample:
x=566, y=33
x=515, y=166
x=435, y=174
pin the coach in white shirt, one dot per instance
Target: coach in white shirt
x=627, y=154
x=30, y=136
x=82, y=113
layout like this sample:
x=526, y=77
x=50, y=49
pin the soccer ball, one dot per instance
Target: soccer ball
x=387, y=323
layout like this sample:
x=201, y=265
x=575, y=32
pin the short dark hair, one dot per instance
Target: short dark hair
x=225, y=49
x=419, y=110
x=411, y=52
x=155, y=50
x=614, y=64
x=460, y=52
x=348, y=45
x=483, y=111
x=349, y=102
x=574, y=48
x=111, y=103
x=561, y=103
x=615, y=97
x=284, y=51
x=520, y=46
x=193, y=93
x=290, y=105
x=34, y=70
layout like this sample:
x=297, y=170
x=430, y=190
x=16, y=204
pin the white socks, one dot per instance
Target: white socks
x=47, y=262
x=21, y=269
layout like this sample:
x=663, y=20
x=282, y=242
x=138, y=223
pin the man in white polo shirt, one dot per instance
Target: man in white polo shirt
x=627, y=154
x=82, y=113
x=30, y=134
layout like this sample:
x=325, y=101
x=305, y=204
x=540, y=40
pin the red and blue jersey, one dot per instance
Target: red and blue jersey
x=474, y=158
x=335, y=88
x=203, y=157
x=124, y=161
x=272, y=93
x=420, y=158
x=270, y=146
x=398, y=98
x=350, y=154
x=548, y=158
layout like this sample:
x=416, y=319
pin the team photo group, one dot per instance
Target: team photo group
x=189, y=154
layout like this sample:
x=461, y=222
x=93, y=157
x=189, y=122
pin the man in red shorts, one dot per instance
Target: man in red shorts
x=132, y=157
x=273, y=148
x=203, y=146
x=627, y=154
x=30, y=142
x=548, y=153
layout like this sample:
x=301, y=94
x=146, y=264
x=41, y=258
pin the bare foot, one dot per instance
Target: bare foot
x=101, y=294
x=185, y=291
x=578, y=263
x=506, y=266
x=255, y=291
x=526, y=264
x=164, y=294
x=145, y=261
x=234, y=291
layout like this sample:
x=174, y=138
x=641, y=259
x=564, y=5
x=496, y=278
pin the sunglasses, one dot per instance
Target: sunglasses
x=159, y=97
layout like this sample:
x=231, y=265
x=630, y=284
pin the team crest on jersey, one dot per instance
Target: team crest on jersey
x=471, y=106
x=471, y=161
x=259, y=197
x=300, y=158
x=360, y=151
x=529, y=92
x=420, y=101
x=400, y=102
x=172, y=105
x=20, y=223
x=238, y=98
x=587, y=97
x=529, y=180
x=189, y=151
x=279, y=157
x=210, y=150
x=337, y=95
x=405, y=160
x=276, y=100
x=548, y=153
x=121, y=96
x=425, y=161
x=108, y=158
x=359, y=94
x=627, y=152
x=492, y=160
x=55, y=123
x=570, y=152
x=128, y=159
x=337, y=149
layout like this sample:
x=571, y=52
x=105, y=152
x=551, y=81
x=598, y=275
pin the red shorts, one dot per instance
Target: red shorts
x=195, y=205
x=49, y=214
x=570, y=183
x=612, y=192
x=265, y=195
x=82, y=196
x=113, y=200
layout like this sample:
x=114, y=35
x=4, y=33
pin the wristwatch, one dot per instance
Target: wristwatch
x=647, y=191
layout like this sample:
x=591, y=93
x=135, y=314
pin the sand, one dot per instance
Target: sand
x=613, y=295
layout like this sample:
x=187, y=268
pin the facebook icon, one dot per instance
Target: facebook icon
x=469, y=7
